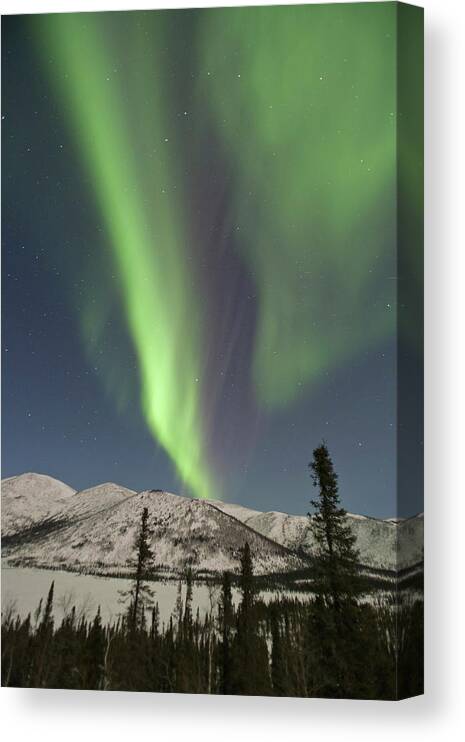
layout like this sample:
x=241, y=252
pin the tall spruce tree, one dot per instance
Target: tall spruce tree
x=96, y=646
x=40, y=664
x=337, y=557
x=279, y=672
x=244, y=646
x=251, y=674
x=188, y=604
x=246, y=580
x=226, y=623
x=140, y=593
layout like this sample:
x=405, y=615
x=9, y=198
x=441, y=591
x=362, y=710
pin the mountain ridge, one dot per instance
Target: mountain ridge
x=186, y=532
x=282, y=541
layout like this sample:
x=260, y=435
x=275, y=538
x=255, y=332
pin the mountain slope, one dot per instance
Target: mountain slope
x=30, y=499
x=47, y=522
x=185, y=532
x=384, y=544
x=94, y=500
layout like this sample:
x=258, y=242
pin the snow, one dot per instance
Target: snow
x=22, y=589
x=185, y=532
x=95, y=500
x=28, y=499
x=384, y=544
x=94, y=531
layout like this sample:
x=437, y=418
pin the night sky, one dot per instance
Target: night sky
x=200, y=278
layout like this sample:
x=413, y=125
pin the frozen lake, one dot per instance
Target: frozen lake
x=23, y=587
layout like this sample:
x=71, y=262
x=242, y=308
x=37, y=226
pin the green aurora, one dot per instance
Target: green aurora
x=311, y=127
x=145, y=224
x=303, y=104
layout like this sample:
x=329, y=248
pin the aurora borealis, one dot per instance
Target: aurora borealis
x=212, y=195
x=144, y=223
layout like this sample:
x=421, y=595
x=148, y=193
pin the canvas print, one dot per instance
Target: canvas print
x=212, y=449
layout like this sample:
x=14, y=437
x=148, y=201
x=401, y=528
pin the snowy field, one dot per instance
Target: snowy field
x=22, y=589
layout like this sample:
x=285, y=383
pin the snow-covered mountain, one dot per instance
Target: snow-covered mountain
x=28, y=499
x=47, y=523
x=97, y=534
x=384, y=544
x=94, y=500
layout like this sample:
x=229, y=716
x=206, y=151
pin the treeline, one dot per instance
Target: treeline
x=283, y=648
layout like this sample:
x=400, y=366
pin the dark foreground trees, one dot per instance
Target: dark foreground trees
x=280, y=648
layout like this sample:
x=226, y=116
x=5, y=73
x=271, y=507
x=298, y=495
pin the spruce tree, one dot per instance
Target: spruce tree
x=188, y=604
x=244, y=648
x=140, y=594
x=47, y=618
x=279, y=670
x=336, y=555
x=246, y=580
x=43, y=638
x=96, y=646
x=251, y=674
x=226, y=623
x=179, y=608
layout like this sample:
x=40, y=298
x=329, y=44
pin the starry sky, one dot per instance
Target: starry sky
x=200, y=267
